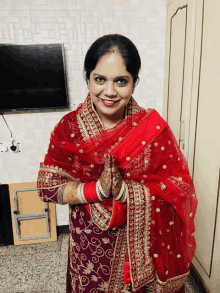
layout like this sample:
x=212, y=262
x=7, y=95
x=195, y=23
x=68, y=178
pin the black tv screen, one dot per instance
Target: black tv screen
x=33, y=77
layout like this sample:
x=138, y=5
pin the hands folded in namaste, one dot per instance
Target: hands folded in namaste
x=111, y=179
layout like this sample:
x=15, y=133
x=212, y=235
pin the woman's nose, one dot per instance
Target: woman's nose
x=110, y=90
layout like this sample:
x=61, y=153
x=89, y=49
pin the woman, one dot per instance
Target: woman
x=132, y=200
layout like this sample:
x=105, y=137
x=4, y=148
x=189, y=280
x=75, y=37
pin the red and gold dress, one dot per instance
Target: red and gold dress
x=145, y=244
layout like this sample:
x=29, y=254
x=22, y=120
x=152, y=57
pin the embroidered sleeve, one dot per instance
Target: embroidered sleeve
x=52, y=194
x=86, y=193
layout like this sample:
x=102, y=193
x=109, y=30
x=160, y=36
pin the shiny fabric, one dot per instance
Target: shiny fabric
x=155, y=242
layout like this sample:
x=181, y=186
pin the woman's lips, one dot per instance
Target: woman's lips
x=109, y=104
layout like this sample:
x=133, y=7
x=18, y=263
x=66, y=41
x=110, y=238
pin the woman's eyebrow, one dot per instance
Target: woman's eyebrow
x=121, y=76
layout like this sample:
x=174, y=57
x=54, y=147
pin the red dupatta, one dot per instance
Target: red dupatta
x=155, y=243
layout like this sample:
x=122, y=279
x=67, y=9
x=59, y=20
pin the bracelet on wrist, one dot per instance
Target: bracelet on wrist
x=80, y=193
x=93, y=192
x=100, y=191
x=121, y=191
x=123, y=198
x=122, y=194
x=90, y=192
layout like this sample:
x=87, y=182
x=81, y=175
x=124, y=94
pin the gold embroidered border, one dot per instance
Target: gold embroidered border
x=116, y=280
x=45, y=181
x=82, y=128
x=139, y=219
x=133, y=107
x=49, y=176
x=87, y=119
x=136, y=239
x=89, y=122
x=171, y=285
x=100, y=216
x=55, y=170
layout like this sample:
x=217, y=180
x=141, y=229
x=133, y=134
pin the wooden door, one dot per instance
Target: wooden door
x=204, y=142
x=180, y=31
x=191, y=94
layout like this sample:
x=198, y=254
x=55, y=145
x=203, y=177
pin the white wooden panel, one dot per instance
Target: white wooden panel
x=177, y=52
x=203, y=126
x=215, y=272
x=178, y=68
x=207, y=146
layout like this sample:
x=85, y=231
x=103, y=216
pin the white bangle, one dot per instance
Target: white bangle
x=100, y=190
x=80, y=193
x=124, y=198
x=121, y=192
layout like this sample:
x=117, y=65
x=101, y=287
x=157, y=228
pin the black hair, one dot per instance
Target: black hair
x=104, y=45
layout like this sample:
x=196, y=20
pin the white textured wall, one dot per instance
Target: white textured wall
x=76, y=24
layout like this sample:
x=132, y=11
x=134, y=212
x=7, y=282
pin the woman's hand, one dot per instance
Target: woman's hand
x=106, y=177
x=117, y=179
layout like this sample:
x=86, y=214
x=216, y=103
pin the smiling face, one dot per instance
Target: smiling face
x=110, y=81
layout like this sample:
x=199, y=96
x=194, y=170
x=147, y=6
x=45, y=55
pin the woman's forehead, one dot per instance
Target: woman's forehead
x=112, y=65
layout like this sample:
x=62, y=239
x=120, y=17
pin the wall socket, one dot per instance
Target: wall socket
x=5, y=146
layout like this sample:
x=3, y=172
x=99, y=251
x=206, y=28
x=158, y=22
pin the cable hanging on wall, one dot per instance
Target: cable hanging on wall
x=12, y=147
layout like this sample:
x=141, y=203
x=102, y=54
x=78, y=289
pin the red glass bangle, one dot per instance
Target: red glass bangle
x=90, y=193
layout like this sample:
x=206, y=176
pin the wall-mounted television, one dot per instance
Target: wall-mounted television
x=33, y=77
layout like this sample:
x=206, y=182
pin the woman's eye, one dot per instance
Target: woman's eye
x=98, y=79
x=123, y=81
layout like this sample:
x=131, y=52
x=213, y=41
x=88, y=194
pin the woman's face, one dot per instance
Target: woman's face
x=110, y=81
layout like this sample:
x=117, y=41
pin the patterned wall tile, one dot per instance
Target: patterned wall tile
x=77, y=24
